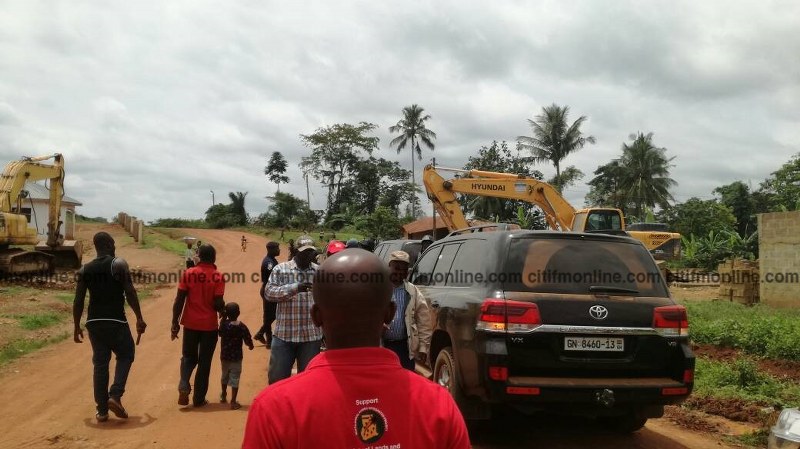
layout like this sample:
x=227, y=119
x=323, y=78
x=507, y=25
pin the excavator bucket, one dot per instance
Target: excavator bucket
x=18, y=261
x=68, y=255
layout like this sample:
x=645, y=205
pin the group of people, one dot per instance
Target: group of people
x=373, y=329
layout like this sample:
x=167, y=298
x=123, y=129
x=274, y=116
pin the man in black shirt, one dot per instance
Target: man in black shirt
x=108, y=280
x=264, y=335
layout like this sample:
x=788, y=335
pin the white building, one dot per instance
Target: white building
x=36, y=208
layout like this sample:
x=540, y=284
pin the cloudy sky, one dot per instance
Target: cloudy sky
x=155, y=104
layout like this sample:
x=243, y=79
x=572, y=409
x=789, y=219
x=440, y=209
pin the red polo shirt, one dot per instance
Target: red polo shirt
x=355, y=398
x=202, y=283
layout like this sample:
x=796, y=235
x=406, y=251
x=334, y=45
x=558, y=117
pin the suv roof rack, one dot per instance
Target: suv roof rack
x=480, y=228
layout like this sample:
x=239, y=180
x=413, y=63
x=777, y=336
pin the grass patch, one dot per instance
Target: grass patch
x=741, y=379
x=18, y=348
x=759, y=330
x=67, y=298
x=39, y=320
x=756, y=438
x=163, y=238
x=16, y=290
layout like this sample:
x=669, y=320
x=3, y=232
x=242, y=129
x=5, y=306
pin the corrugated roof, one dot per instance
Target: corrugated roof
x=40, y=192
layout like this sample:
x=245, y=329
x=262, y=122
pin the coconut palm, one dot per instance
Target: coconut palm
x=553, y=140
x=645, y=180
x=412, y=129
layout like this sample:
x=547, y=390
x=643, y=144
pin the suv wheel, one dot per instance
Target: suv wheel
x=445, y=372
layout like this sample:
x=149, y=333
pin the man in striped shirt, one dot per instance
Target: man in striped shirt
x=295, y=338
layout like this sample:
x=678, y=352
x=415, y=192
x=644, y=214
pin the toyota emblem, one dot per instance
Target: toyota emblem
x=598, y=312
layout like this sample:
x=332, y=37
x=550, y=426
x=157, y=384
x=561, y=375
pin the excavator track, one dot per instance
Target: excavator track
x=17, y=261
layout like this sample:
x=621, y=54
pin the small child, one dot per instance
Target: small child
x=233, y=333
x=244, y=243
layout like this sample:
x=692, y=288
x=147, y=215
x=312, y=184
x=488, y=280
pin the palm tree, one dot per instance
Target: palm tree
x=553, y=140
x=237, y=207
x=645, y=180
x=412, y=129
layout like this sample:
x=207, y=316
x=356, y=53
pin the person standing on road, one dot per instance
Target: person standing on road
x=191, y=255
x=199, y=298
x=409, y=333
x=296, y=338
x=264, y=335
x=361, y=396
x=232, y=334
x=109, y=282
x=244, y=244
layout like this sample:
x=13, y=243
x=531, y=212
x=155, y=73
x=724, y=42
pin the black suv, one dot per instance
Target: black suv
x=568, y=322
x=386, y=248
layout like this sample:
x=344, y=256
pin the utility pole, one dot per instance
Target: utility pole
x=433, y=234
x=308, y=195
x=213, y=203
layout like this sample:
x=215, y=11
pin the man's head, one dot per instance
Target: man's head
x=398, y=266
x=367, y=244
x=232, y=311
x=273, y=249
x=352, y=299
x=306, y=252
x=426, y=242
x=352, y=243
x=189, y=244
x=103, y=243
x=207, y=253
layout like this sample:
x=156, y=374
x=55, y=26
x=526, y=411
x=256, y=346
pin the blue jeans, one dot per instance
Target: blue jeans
x=198, y=351
x=107, y=337
x=285, y=353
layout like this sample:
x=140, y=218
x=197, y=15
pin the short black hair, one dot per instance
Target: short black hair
x=273, y=244
x=232, y=310
x=103, y=241
x=207, y=253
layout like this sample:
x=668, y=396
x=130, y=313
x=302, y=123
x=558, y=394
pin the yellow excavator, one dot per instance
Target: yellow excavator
x=14, y=229
x=558, y=212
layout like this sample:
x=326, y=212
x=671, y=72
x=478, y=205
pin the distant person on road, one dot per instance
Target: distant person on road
x=264, y=334
x=233, y=334
x=108, y=280
x=296, y=338
x=409, y=333
x=199, y=298
x=244, y=244
x=355, y=394
x=191, y=255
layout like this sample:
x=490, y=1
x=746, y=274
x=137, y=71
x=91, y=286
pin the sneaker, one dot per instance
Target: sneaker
x=115, y=406
x=101, y=418
x=183, y=397
x=260, y=338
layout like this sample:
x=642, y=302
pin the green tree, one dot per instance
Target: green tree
x=382, y=224
x=276, y=169
x=698, y=217
x=737, y=197
x=221, y=216
x=287, y=210
x=605, y=188
x=782, y=188
x=237, y=207
x=645, y=174
x=412, y=130
x=335, y=153
x=553, y=140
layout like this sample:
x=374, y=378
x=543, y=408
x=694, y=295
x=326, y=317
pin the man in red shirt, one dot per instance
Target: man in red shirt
x=199, y=298
x=355, y=394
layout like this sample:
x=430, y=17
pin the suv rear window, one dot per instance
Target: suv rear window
x=573, y=266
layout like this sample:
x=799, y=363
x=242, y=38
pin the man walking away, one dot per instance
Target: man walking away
x=355, y=394
x=199, y=298
x=108, y=280
x=264, y=335
x=296, y=338
x=409, y=333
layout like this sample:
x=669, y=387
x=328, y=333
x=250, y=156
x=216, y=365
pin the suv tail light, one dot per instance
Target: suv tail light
x=512, y=316
x=671, y=321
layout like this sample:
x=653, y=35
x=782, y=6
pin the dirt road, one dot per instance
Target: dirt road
x=47, y=397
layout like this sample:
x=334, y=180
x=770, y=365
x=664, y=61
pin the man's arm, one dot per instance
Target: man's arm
x=77, y=307
x=177, y=309
x=122, y=272
x=279, y=290
x=422, y=316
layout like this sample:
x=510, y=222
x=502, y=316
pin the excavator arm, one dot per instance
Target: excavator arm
x=17, y=173
x=558, y=212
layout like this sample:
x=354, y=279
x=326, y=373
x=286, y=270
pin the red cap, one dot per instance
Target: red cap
x=334, y=247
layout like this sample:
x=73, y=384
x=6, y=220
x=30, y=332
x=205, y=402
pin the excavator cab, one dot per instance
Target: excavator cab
x=598, y=220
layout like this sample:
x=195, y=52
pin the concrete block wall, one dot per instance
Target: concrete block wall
x=779, y=257
x=134, y=226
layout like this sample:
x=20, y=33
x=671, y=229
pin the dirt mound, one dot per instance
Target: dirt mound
x=781, y=369
x=730, y=408
x=692, y=420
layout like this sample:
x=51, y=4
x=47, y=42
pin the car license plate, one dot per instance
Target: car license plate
x=594, y=344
